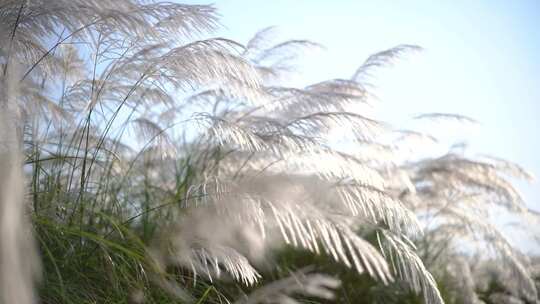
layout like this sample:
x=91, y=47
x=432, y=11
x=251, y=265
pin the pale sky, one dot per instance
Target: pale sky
x=481, y=59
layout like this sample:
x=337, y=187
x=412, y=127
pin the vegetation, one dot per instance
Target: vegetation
x=143, y=162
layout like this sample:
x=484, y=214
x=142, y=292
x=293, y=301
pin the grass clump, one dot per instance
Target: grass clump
x=166, y=165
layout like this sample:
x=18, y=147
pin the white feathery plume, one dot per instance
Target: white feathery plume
x=258, y=173
x=19, y=265
x=302, y=282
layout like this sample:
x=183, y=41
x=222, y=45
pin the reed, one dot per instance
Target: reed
x=155, y=163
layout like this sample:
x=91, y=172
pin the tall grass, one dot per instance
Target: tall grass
x=162, y=165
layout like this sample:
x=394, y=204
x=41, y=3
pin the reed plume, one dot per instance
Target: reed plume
x=161, y=160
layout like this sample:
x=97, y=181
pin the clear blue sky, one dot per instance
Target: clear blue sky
x=481, y=59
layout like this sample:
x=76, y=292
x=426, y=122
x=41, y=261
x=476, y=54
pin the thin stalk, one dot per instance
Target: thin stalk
x=13, y=38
